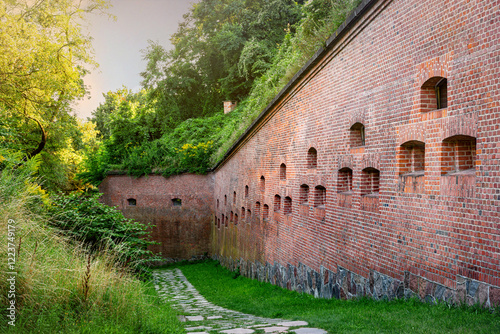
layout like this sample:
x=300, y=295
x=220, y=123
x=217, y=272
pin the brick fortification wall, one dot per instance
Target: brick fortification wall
x=178, y=206
x=376, y=170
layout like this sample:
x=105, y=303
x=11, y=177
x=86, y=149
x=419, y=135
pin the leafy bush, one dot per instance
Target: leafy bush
x=82, y=217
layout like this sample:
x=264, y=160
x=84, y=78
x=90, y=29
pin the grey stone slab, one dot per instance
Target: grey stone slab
x=275, y=329
x=194, y=318
x=213, y=317
x=198, y=328
x=238, y=331
x=309, y=331
x=293, y=323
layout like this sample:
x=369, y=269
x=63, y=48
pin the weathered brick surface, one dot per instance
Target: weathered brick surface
x=183, y=231
x=436, y=218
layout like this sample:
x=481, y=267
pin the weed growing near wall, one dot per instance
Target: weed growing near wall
x=98, y=226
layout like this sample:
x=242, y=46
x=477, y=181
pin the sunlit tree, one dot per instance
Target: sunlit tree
x=44, y=55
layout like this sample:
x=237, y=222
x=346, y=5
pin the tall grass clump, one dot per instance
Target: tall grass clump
x=61, y=287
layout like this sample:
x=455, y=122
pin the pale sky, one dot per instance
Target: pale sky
x=118, y=44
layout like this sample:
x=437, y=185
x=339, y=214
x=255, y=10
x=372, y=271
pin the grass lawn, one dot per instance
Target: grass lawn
x=223, y=288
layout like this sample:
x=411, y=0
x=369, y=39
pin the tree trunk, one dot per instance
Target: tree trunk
x=42, y=143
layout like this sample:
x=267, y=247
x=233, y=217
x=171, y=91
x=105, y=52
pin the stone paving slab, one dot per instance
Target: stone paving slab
x=238, y=331
x=275, y=329
x=309, y=331
x=293, y=323
x=202, y=317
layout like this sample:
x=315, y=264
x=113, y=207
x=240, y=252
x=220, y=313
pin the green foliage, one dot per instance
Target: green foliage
x=320, y=19
x=224, y=288
x=43, y=58
x=84, y=218
x=195, y=157
x=94, y=167
x=218, y=50
x=17, y=181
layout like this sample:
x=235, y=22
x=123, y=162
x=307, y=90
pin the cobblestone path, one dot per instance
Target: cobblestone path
x=202, y=317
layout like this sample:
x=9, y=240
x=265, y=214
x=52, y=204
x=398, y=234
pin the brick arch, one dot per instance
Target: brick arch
x=357, y=117
x=282, y=159
x=345, y=161
x=370, y=161
x=320, y=182
x=435, y=67
x=311, y=143
x=412, y=132
x=464, y=125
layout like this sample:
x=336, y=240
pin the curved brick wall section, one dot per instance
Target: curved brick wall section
x=414, y=196
x=183, y=230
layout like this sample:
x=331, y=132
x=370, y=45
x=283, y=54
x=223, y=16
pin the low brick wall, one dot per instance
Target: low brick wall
x=178, y=206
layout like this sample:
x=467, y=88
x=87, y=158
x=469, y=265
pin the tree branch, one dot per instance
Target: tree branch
x=42, y=142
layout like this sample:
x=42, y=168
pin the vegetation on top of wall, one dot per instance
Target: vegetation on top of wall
x=221, y=53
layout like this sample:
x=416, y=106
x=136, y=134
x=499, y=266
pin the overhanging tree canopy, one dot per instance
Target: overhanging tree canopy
x=43, y=54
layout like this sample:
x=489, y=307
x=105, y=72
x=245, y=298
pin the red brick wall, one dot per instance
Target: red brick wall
x=436, y=225
x=183, y=231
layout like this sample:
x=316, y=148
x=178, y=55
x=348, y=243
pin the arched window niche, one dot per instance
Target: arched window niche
x=458, y=155
x=357, y=135
x=434, y=94
x=287, y=206
x=411, y=158
x=369, y=189
x=277, y=203
x=370, y=182
x=411, y=167
x=257, y=209
x=265, y=212
x=282, y=172
x=344, y=181
x=319, y=196
x=312, y=158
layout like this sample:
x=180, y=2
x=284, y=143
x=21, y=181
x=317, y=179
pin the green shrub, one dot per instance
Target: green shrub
x=82, y=217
